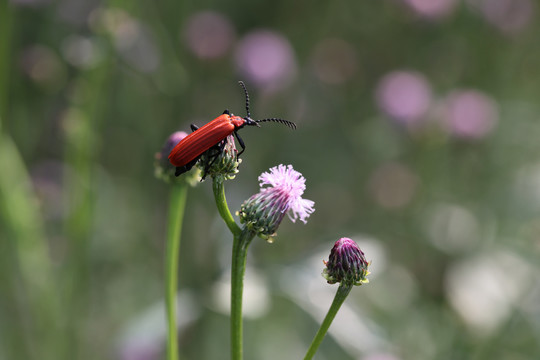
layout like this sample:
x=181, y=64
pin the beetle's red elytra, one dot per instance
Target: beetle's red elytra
x=189, y=150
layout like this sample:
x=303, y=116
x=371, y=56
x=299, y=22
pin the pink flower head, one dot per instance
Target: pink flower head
x=264, y=211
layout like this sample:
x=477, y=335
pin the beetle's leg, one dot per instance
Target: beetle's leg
x=182, y=169
x=194, y=127
x=217, y=150
x=241, y=142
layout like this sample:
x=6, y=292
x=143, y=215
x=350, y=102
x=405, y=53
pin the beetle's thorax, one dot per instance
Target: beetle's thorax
x=237, y=121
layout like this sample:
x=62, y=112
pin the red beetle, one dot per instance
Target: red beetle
x=189, y=150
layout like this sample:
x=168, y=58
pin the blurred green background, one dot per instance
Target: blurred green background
x=418, y=134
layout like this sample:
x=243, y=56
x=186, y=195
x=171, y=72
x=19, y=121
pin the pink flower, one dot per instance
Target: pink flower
x=264, y=211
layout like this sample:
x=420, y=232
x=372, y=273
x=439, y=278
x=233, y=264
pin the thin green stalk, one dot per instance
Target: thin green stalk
x=176, y=215
x=242, y=239
x=239, y=256
x=340, y=297
x=221, y=202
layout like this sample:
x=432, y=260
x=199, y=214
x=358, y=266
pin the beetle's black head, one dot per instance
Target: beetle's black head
x=251, y=122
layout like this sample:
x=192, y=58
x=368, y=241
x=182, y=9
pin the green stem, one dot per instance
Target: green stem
x=239, y=256
x=221, y=202
x=176, y=215
x=340, y=297
x=242, y=239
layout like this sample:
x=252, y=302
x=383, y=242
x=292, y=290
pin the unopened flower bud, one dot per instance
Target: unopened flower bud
x=264, y=211
x=346, y=264
x=163, y=169
x=221, y=162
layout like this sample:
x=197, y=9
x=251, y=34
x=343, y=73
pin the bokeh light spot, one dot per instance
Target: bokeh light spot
x=433, y=9
x=266, y=58
x=509, y=16
x=209, y=35
x=470, y=114
x=404, y=96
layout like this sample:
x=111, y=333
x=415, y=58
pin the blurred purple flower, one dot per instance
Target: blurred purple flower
x=264, y=211
x=266, y=59
x=470, y=114
x=404, y=96
x=510, y=16
x=334, y=61
x=171, y=142
x=433, y=9
x=163, y=169
x=209, y=35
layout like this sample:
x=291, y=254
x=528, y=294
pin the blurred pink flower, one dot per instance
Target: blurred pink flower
x=209, y=35
x=334, y=61
x=432, y=8
x=510, y=16
x=404, y=96
x=470, y=114
x=266, y=59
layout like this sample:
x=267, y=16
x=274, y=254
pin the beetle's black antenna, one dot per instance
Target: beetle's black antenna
x=281, y=121
x=285, y=122
x=247, y=98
